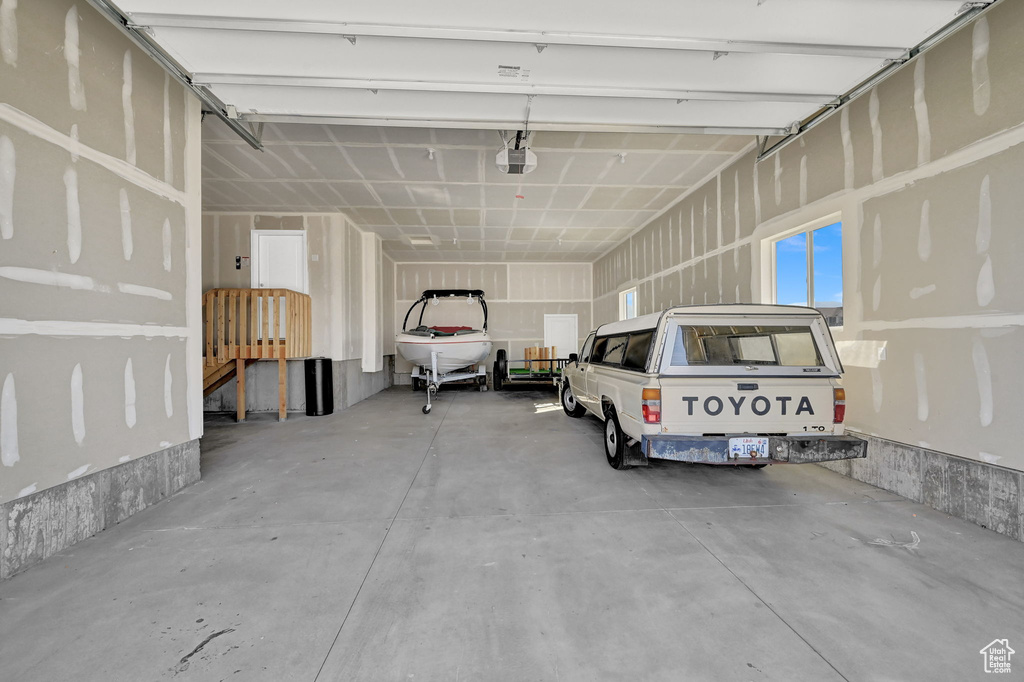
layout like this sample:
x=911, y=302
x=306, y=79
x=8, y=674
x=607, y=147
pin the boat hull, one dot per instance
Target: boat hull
x=453, y=352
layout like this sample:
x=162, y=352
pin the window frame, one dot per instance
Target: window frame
x=628, y=336
x=831, y=366
x=623, y=306
x=807, y=229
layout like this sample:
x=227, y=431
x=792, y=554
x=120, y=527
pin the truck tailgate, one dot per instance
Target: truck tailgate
x=714, y=405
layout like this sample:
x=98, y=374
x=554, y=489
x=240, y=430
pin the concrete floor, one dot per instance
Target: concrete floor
x=491, y=541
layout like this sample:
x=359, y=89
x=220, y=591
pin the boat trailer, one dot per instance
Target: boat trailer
x=429, y=378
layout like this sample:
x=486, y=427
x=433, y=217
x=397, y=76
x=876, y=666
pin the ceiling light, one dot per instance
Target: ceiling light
x=421, y=240
x=430, y=154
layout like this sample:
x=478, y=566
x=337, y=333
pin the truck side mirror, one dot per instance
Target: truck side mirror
x=574, y=358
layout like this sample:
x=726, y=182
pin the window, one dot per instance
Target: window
x=817, y=250
x=587, y=345
x=599, y=346
x=755, y=344
x=615, y=349
x=637, y=349
x=627, y=304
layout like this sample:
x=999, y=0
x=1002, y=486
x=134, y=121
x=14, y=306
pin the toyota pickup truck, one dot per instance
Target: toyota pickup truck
x=736, y=384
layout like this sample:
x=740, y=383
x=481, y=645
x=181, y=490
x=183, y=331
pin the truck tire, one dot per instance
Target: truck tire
x=614, y=441
x=570, y=405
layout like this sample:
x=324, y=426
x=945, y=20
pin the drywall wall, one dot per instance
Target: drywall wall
x=349, y=278
x=925, y=173
x=99, y=224
x=518, y=296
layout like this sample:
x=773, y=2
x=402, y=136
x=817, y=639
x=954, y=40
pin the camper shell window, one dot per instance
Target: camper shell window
x=769, y=347
x=628, y=351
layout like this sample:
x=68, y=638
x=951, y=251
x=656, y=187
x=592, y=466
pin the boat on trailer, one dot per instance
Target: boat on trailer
x=443, y=354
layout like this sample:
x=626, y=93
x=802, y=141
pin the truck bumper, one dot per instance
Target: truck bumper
x=792, y=449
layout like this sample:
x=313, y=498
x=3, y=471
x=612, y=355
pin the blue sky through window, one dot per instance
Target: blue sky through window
x=791, y=270
x=828, y=266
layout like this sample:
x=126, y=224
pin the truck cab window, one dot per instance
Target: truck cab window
x=585, y=352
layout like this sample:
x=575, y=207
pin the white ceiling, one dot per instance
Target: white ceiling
x=358, y=92
x=589, y=191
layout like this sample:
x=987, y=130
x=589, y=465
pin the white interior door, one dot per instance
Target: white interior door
x=279, y=262
x=562, y=331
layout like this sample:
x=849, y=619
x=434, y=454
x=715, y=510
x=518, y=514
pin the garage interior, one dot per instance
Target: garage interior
x=158, y=159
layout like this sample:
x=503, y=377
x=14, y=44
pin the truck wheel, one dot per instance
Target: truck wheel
x=570, y=405
x=614, y=441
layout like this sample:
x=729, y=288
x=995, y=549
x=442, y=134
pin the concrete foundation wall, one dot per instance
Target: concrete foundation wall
x=101, y=402
x=924, y=172
x=518, y=296
x=351, y=384
x=39, y=525
x=987, y=495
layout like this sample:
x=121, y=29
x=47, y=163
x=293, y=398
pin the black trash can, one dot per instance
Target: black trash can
x=319, y=387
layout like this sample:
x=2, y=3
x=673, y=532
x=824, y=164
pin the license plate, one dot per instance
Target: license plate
x=748, y=448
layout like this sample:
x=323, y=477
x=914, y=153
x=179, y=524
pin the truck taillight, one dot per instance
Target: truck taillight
x=839, y=405
x=650, y=404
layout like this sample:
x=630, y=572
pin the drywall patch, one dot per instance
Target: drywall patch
x=7, y=175
x=924, y=232
x=50, y=278
x=28, y=490
x=168, y=382
x=126, y=225
x=921, y=379
x=877, y=171
x=757, y=197
x=918, y=292
x=984, y=374
x=76, y=91
x=803, y=181
x=924, y=131
x=77, y=405
x=168, y=151
x=980, y=83
x=74, y=214
x=844, y=127
x=986, y=288
x=9, y=31
x=129, y=111
x=989, y=458
x=984, y=235
x=167, y=244
x=72, y=475
x=777, y=177
x=129, y=394
x=139, y=290
x=9, y=455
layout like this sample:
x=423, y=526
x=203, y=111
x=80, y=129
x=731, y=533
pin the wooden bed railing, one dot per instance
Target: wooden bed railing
x=255, y=324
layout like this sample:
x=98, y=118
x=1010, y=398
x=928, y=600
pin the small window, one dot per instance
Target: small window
x=637, y=350
x=627, y=304
x=809, y=270
x=782, y=346
x=599, y=346
x=587, y=345
x=616, y=349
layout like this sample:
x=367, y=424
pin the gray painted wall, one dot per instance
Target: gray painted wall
x=925, y=171
x=99, y=191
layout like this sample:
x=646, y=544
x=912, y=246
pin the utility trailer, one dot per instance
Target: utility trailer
x=534, y=369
